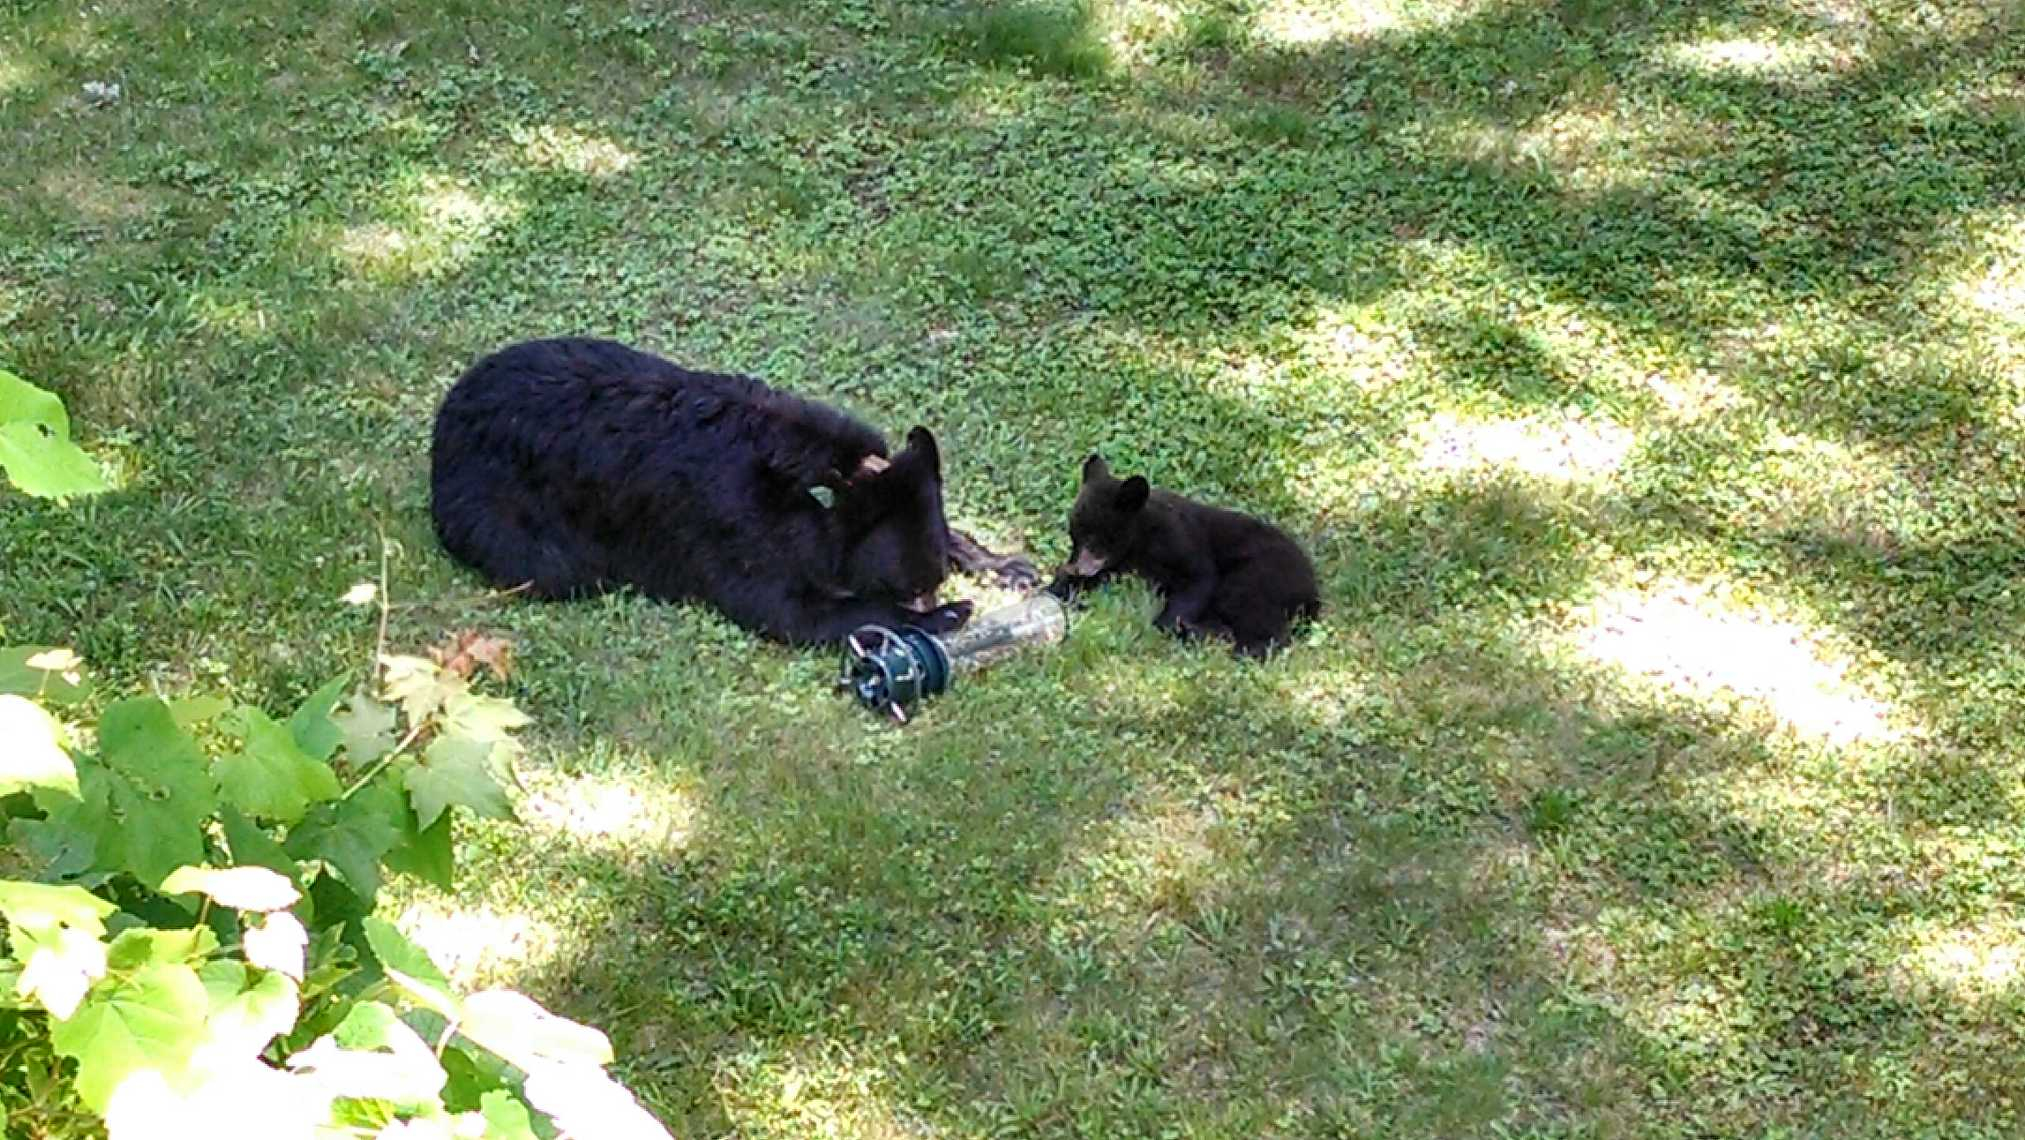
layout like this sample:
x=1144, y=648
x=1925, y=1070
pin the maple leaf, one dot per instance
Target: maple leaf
x=153, y=1019
x=366, y=729
x=271, y=776
x=419, y=684
x=455, y=770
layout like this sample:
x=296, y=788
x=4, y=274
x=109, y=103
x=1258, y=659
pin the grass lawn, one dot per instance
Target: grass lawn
x=1647, y=378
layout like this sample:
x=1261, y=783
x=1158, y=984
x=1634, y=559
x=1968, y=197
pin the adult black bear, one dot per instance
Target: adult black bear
x=573, y=466
x=1221, y=573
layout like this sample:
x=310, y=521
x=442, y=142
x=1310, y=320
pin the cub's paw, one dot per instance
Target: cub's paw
x=945, y=619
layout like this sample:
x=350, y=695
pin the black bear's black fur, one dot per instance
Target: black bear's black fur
x=1220, y=573
x=573, y=466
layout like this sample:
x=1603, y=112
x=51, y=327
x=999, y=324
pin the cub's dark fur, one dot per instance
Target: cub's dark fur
x=569, y=467
x=1221, y=573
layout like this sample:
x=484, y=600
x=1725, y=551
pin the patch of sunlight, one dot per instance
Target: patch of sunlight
x=238, y=315
x=1171, y=859
x=1331, y=482
x=1353, y=349
x=564, y=148
x=1830, y=486
x=1298, y=23
x=1693, y=393
x=1489, y=144
x=1568, y=449
x=1592, y=149
x=1695, y=1019
x=1817, y=798
x=1692, y=1016
x=1325, y=696
x=817, y=1092
x=611, y=816
x=1134, y=29
x=1695, y=639
x=15, y=72
x=440, y=224
x=1993, y=284
x=1604, y=353
x=480, y=945
x=1815, y=56
x=1976, y=962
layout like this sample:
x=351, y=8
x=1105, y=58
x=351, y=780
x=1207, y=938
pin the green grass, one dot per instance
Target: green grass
x=1646, y=379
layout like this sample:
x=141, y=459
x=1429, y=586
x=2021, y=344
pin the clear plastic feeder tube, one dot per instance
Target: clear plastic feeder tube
x=888, y=670
x=1039, y=620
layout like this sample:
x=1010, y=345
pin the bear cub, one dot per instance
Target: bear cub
x=574, y=466
x=1220, y=573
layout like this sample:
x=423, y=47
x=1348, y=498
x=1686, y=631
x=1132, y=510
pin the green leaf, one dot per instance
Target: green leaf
x=220, y=1097
x=505, y=1117
x=374, y=1025
x=56, y=850
x=425, y=853
x=242, y=888
x=138, y=737
x=366, y=727
x=411, y=968
x=374, y=1054
x=38, y=906
x=583, y=1100
x=277, y=942
x=455, y=770
x=252, y=847
x=56, y=932
x=476, y=717
x=144, y=809
x=51, y=686
x=271, y=776
x=421, y=686
x=147, y=946
x=193, y=711
x=314, y=730
x=35, y=449
x=128, y=829
x=31, y=749
x=58, y=966
x=248, y=1011
x=332, y=959
x=517, y=1028
x=151, y=1019
x=473, y=1073
x=352, y=835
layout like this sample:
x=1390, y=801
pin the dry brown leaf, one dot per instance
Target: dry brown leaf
x=466, y=650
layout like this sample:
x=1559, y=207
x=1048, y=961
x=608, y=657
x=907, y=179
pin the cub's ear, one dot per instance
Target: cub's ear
x=1095, y=468
x=1132, y=493
x=921, y=444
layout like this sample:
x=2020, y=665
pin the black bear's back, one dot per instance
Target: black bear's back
x=610, y=410
x=578, y=464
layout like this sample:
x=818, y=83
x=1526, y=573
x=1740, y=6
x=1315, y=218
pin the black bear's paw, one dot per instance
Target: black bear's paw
x=1017, y=573
x=1067, y=587
x=945, y=619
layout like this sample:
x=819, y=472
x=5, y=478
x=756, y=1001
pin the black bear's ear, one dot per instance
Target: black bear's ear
x=1132, y=493
x=1095, y=468
x=921, y=444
